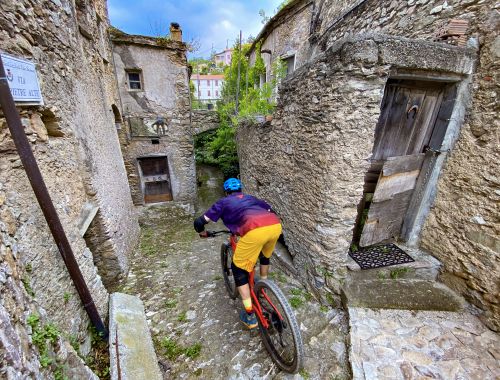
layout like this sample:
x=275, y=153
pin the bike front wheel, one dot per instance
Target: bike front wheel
x=282, y=339
x=226, y=258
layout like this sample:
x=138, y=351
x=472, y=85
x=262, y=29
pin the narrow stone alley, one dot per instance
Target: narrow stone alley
x=195, y=325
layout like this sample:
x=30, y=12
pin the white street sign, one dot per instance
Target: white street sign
x=22, y=79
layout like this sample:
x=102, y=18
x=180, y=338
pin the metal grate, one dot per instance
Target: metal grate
x=379, y=256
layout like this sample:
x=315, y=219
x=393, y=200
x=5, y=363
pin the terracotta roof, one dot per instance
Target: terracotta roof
x=209, y=76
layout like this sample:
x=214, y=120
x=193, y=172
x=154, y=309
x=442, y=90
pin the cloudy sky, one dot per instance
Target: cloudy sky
x=207, y=21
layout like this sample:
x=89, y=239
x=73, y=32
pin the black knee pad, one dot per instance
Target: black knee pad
x=240, y=275
x=263, y=260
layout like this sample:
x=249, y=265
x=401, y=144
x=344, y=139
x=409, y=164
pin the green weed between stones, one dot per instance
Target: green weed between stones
x=296, y=302
x=27, y=286
x=324, y=308
x=277, y=276
x=66, y=297
x=217, y=277
x=330, y=299
x=381, y=275
x=398, y=272
x=45, y=338
x=182, y=317
x=304, y=374
x=98, y=358
x=148, y=246
x=172, y=350
x=170, y=304
x=41, y=335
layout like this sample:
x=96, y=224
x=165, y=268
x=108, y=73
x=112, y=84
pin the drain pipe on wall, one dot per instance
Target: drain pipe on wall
x=42, y=195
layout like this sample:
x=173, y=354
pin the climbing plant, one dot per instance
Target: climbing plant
x=220, y=147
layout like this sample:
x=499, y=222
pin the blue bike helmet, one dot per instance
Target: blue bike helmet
x=232, y=184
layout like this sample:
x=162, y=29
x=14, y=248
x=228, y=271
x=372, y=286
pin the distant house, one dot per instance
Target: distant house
x=207, y=87
x=224, y=57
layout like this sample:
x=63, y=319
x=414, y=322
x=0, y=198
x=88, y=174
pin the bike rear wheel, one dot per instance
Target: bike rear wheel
x=226, y=258
x=282, y=339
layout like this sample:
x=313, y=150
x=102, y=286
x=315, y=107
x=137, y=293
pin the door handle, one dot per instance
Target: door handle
x=412, y=108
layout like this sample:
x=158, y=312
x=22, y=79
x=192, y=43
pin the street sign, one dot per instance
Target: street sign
x=23, y=80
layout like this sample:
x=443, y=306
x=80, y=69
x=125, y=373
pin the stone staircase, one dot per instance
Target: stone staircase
x=404, y=324
x=411, y=286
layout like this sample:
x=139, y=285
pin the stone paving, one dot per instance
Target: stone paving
x=194, y=323
x=402, y=344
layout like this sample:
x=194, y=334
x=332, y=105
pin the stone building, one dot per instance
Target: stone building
x=75, y=142
x=155, y=134
x=284, y=37
x=401, y=114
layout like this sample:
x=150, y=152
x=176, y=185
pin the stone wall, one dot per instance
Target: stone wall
x=204, y=120
x=462, y=226
x=76, y=146
x=311, y=160
x=165, y=93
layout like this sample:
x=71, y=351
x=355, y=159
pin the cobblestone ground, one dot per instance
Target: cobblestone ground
x=194, y=323
x=401, y=344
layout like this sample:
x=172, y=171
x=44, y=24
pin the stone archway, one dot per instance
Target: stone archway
x=117, y=115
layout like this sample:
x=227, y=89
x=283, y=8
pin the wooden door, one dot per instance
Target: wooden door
x=408, y=114
x=391, y=198
x=156, y=179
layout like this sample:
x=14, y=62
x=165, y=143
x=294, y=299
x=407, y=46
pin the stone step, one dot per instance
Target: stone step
x=132, y=355
x=405, y=294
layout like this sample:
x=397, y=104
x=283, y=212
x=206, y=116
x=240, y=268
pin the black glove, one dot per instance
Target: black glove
x=199, y=224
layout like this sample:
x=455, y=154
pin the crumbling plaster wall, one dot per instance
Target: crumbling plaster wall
x=463, y=227
x=165, y=94
x=76, y=146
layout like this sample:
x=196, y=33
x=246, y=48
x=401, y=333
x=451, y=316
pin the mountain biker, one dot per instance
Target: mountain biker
x=259, y=228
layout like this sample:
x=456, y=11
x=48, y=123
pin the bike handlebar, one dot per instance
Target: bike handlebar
x=209, y=234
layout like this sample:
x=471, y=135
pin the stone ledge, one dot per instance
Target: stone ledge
x=132, y=354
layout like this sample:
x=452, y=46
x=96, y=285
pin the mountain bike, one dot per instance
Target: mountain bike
x=277, y=323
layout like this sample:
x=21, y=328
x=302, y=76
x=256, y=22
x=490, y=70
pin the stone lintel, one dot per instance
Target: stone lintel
x=132, y=354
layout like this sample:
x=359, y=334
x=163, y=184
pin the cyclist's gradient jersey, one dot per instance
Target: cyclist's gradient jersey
x=242, y=213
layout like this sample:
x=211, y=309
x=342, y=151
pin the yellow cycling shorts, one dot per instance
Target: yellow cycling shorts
x=250, y=245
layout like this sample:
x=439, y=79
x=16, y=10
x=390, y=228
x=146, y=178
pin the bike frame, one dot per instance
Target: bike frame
x=255, y=301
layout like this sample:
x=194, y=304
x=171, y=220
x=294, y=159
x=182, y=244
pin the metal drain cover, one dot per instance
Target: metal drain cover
x=379, y=256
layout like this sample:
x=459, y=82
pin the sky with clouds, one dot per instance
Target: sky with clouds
x=207, y=21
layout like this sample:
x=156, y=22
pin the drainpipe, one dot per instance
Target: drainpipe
x=42, y=195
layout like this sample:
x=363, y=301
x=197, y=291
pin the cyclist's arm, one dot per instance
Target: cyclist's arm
x=212, y=215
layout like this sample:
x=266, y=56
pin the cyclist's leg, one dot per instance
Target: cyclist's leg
x=245, y=257
x=268, y=248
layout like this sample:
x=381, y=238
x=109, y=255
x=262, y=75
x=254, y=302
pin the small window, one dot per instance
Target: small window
x=216, y=83
x=208, y=82
x=216, y=93
x=290, y=64
x=134, y=80
x=209, y=93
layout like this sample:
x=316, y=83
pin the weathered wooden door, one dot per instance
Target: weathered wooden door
x=405, y=127
x=155, y=179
